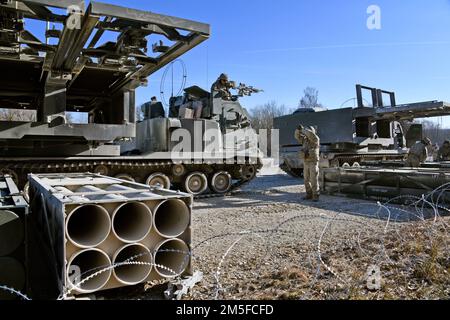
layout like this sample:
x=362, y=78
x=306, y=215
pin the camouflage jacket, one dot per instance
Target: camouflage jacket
x=420, y=151
x=220, y=90
x=311, y=145
x=444, y=154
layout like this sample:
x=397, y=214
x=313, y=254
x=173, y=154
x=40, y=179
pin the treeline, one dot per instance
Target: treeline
x=262, y=116
x=435, y=131
x=17, y=115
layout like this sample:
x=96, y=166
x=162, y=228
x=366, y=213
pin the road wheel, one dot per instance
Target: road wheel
x=221, y=182
x=248, y=172
x=26, y=192
x=178, y=170
x=101, y=170
x=159, y=180
x=196, y=183
x=126, y=177
x=335, y=163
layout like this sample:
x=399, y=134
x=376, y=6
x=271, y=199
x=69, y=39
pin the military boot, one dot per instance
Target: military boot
x=315, y=198
x=308, y=197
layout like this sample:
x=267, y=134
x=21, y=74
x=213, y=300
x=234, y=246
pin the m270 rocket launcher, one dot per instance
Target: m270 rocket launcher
x=81, y=67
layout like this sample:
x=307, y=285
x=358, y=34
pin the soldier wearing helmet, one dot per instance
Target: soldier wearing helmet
x=418, y=153
x=221, y=88
x=444, y=152
x=310, y=155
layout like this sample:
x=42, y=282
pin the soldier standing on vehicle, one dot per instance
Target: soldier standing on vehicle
x=435, y=150
x=221, y=88
x=153, y=109
x=444, y=152
x=400, y=137
x=418, y=153
x=310, y=155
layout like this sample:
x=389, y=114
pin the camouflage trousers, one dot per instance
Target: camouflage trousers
x=311, y=175
x=413, y=161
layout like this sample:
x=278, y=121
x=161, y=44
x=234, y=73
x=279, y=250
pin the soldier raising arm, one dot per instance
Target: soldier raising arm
x=310, y=155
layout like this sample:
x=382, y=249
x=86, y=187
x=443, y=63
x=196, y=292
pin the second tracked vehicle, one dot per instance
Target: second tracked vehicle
x=372, y=133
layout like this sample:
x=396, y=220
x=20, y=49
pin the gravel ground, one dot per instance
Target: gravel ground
x=265, y=242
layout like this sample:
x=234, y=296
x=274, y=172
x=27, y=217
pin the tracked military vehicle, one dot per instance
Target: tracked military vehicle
x=209, y=140
x=369, y=134
x=69, y=69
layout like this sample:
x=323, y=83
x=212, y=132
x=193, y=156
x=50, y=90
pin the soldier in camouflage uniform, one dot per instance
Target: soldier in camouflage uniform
x=444, y=152
x=221, y=88
x=418, y=153
x=435, y=150
x=310, y=155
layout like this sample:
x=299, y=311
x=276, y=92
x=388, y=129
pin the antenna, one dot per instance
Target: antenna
x=355, y=100
x=207, y=65
x=171, y=68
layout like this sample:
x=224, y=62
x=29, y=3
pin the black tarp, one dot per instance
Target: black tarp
x=45, y=250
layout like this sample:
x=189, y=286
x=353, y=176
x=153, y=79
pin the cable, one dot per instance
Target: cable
x=353, y=99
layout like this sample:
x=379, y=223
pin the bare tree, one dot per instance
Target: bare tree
x=139, y=113
x=20, y=115
x=262, y=118
x=434, y=132
x=17, y=115
x=310, y=99
x=70, y=118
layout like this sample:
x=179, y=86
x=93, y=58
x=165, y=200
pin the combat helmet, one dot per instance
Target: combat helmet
x=427, y=141
x=223, y=76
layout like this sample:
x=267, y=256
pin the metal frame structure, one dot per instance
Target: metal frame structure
x=78, y=74
x=380, y=111
x=377, y=97
x=358, y=135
